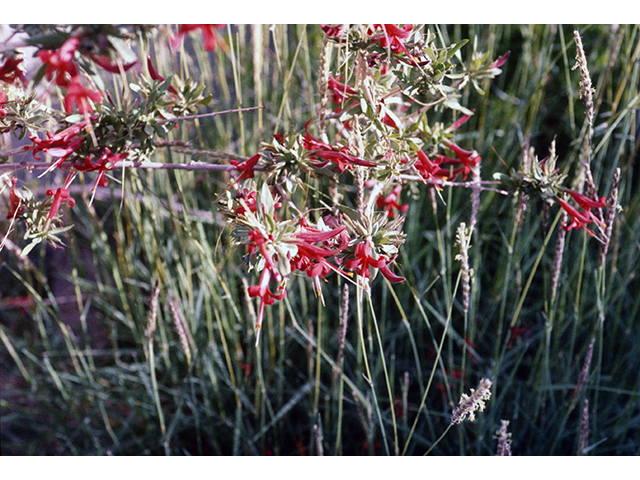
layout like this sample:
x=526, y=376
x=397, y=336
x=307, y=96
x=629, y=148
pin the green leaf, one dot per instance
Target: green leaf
x=454, y=49
x=124, y=51
x=453, y=104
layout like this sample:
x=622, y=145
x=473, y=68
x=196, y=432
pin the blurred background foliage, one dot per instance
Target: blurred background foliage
x=79, y=376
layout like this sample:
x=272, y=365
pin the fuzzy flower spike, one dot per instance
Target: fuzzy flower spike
x=469, y=404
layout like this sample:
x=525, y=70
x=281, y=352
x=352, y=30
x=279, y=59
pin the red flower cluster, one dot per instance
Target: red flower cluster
x=78, y=95
x=62, y=69
x=267, y=297
x=581, y=219
x=310, y=258
x=314, y=247
x=62, y=145
x=429, y=169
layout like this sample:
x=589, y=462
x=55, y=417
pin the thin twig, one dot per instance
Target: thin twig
x=193, y=165
x=210, y=114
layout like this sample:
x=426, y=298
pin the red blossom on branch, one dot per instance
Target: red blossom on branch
x=467, y=159
x=331, y=30
x=15, y=199
x=327, y=153
x=340, y=90
x=3, y=99
x=267, y=297
x=10, y=71
x=212, y=39
x=59, y=145
x=429, y=169
x=582, y=219
x=311, y=258
x=79, y=95
x=365, y=258
x=60, y=196
x=106, y=162
x=390, y=202
x=109, y=66
x=458, y=123
x=62, y=69
x=60, y=65
x=586, y=202
x=246, y=167
x=156, y=76
x=258, y=239
x=393, y=37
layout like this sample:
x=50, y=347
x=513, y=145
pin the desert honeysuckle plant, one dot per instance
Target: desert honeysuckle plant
x=323, y=201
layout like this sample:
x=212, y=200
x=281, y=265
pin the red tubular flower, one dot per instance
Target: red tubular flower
x=331, y=30
x=311, y=259
x=104, y=163
x=259, y=240
x=393, y=37
x=3, y=99
x=212, y=38
x=79, y=95
x=247, y=166
x=360, y=265
x=340, y=90
x=469, y=159
x=586, y=202
x=15, y=199
x=458, y=123
x=59, y=145
x=60, y=196
x=156, y=76
x=60, y=62
x=390, y=202
x=430, y=170
x=267, y=297
x=308, y=253
x=581, y=219
x=323, y=151
x=10, y=71
x=110, y=66
x=500, y=61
